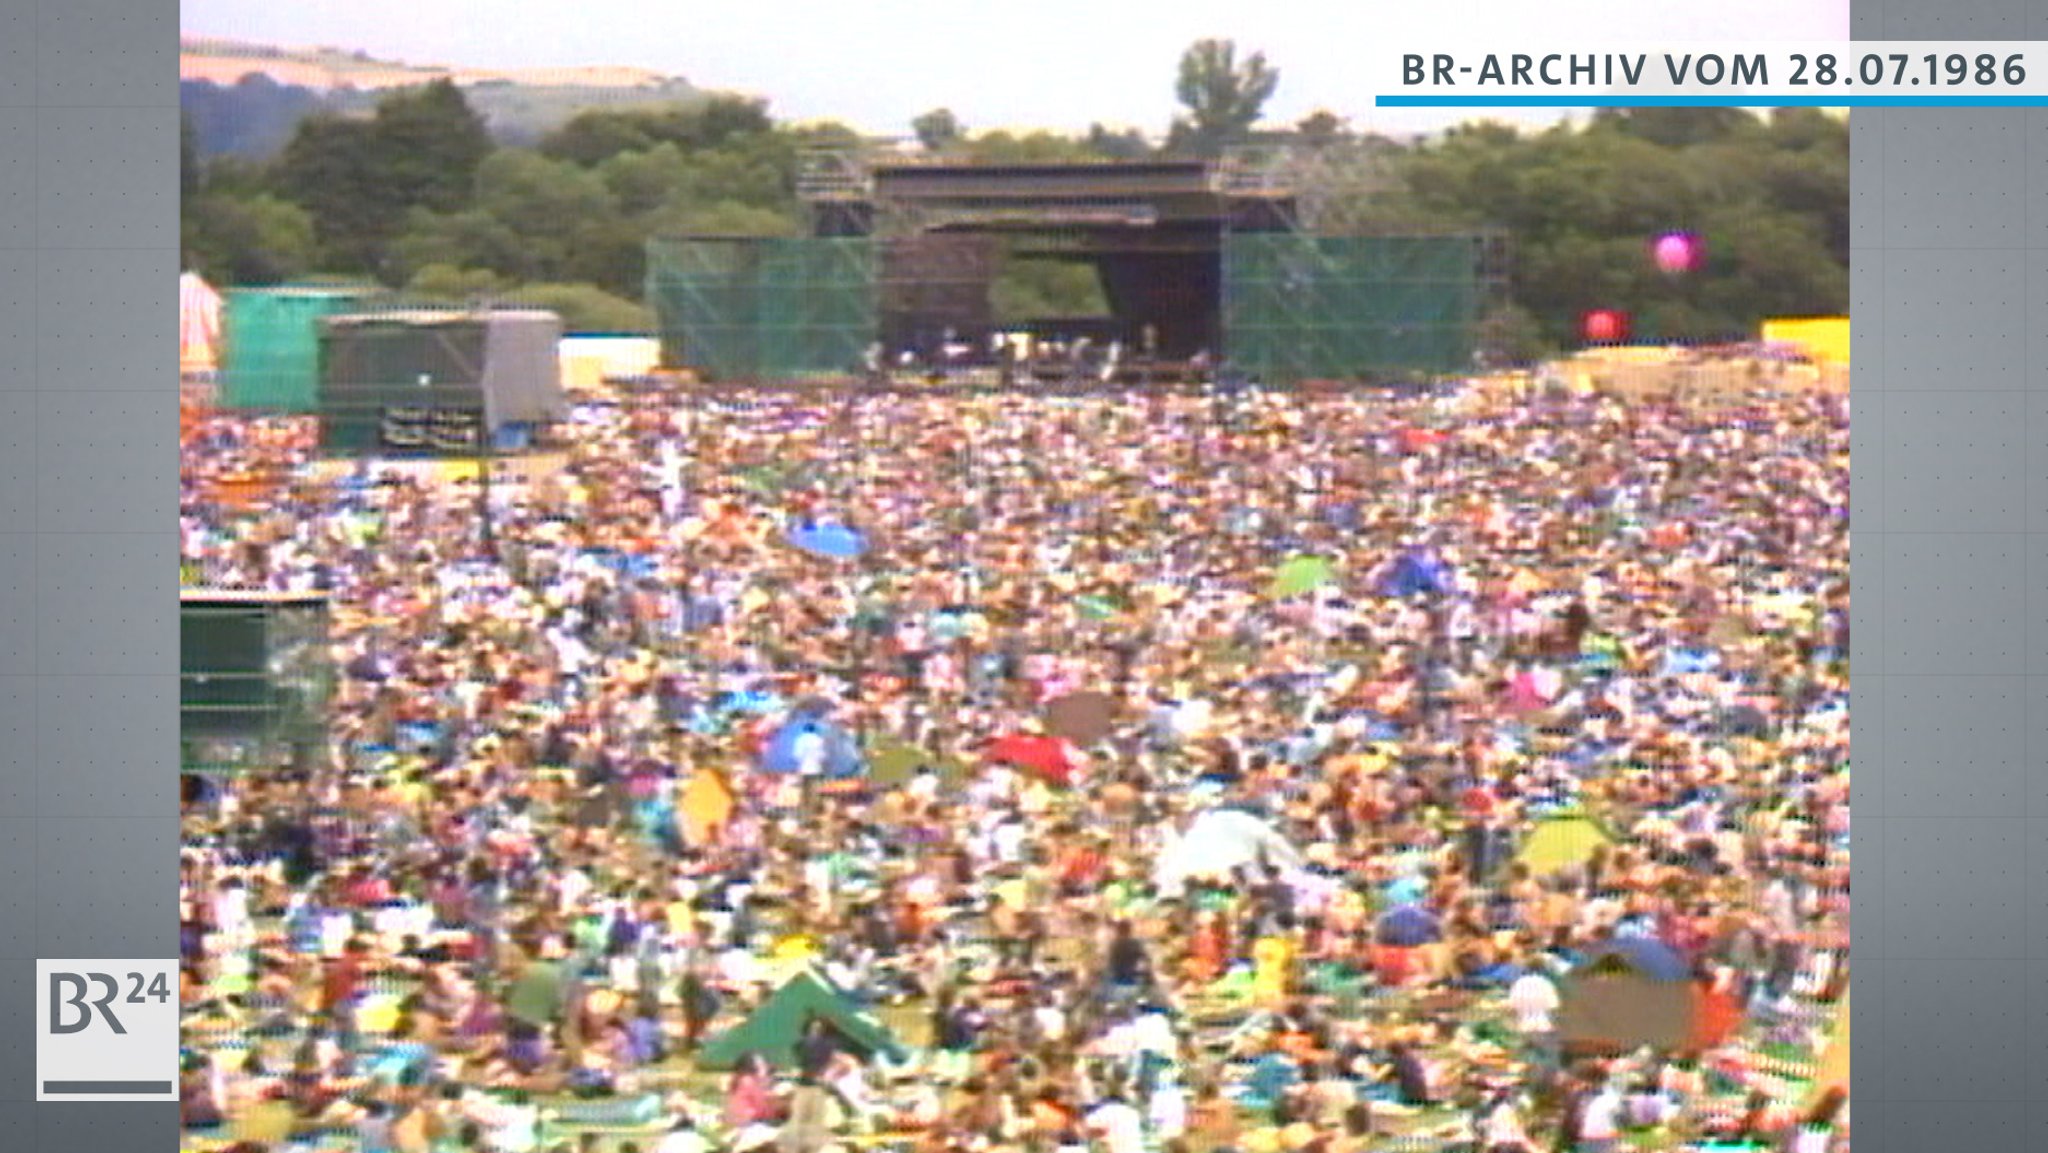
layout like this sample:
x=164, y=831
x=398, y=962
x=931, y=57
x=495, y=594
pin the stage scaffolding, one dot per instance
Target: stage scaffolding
x=1314, y=290
x=1308, y=291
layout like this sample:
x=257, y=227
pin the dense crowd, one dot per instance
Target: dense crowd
x=1160, y=769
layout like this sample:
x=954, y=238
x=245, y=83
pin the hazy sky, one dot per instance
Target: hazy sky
x=1056, y=64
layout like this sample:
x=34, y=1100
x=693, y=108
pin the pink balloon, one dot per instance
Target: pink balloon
x=1676, y=252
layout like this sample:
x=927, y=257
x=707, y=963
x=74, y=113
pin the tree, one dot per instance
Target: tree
x=1677, y=127
x=544, y=201
x=582, y=307
x=585, y=309
x=725, y=218
x=1046, y=289
x=330, y=168
x=360, y=178
x=429, y=146
x=253, y=118
x=938, y=130
x=1031, y=148
x=1322, y=127
x=723, y=118
x=643, y=180
x=1224, y=98
x=448, y=284
x=1110, y=144
x=1580, y=206
x=474, y=239
x=593, y=137
x=189, y=175
x=250, y=241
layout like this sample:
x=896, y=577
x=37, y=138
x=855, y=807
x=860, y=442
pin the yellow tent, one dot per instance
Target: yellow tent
x=588, y=360
x=705, y=806
x=1823, y=339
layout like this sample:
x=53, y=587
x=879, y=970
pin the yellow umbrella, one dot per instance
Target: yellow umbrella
x=379, y=1014
x=705, y=806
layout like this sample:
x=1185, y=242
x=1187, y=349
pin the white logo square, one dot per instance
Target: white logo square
x=107, y=1030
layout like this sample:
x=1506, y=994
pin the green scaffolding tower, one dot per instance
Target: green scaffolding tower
x=1314, y=287
x=749, y=308
x=1300, y=307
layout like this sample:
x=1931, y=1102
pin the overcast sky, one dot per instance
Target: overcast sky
x=1057, y=64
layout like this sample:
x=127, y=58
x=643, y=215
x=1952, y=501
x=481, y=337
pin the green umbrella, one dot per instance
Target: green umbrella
x=893, y=762
x=764, y=479
x=1299, y=575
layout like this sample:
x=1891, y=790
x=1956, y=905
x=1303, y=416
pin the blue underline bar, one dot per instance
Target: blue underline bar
x=1733, y=100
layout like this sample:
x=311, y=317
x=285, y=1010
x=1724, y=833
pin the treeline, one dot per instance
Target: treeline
x=255, y=117
x=418, y=196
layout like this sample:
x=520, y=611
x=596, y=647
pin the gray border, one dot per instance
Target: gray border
x=1950, y=457
x=1949, y=290
x=88, y=466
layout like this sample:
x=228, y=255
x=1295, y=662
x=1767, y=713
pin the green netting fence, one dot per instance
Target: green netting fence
x=1299, y=307
x=763, y=308
x=271, y=338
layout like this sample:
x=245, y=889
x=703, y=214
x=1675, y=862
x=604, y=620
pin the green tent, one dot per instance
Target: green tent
x=775, y=1028
x=1561, y=842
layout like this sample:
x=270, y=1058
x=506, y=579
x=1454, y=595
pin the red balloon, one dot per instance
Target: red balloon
x=1604, y=326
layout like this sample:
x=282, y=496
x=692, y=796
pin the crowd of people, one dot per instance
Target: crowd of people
x=939, y=698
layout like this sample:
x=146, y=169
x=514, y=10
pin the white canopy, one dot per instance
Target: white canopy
x=1218, y=842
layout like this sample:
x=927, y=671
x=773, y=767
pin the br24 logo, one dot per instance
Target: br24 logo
x=72, y=1012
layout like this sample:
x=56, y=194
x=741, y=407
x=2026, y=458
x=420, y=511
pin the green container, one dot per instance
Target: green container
x=273, y=345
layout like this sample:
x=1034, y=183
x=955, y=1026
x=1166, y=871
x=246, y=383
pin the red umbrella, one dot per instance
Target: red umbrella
x=1715, y=1018
x=1414, y=440
x=1046, y=756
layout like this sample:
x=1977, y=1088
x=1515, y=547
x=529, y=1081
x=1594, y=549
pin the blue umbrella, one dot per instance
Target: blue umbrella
x=1690, y=662
x=753, y=701
x=1414, y=573
x=843, y=757
x=1646, y=955
x=700, y=613
x=834, y=541
x=1409, y=926
x=816, y=708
